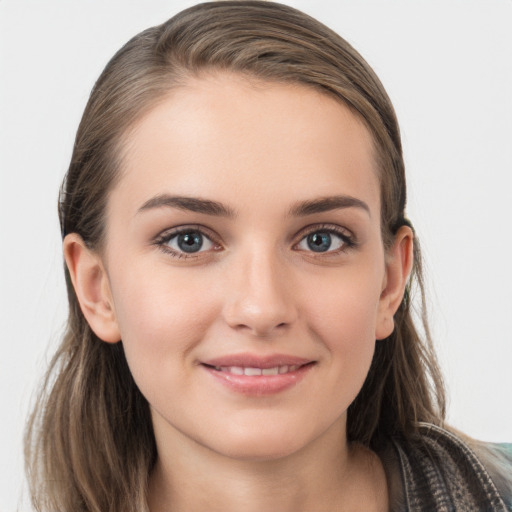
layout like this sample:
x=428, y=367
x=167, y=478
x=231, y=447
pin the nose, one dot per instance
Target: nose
x=259, y=295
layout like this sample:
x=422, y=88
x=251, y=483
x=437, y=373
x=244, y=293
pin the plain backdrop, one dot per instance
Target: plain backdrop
x=447, y=66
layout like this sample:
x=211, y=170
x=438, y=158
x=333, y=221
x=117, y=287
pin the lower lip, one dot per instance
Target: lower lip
x=258, y=385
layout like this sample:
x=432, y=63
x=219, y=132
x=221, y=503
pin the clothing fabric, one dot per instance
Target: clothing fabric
x=439, y=472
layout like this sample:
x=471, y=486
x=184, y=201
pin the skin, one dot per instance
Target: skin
x=256, y=287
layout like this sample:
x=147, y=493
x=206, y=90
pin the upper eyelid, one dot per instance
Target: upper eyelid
x=331, y=228
x=348, y=237
x=169, y=233
x=165, y=236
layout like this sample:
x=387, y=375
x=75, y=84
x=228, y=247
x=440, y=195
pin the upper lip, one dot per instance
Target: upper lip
x=256, y=361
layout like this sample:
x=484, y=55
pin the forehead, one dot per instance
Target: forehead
x=229, y=138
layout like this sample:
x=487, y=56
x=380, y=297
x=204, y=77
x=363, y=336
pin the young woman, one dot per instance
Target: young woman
x=239, y=269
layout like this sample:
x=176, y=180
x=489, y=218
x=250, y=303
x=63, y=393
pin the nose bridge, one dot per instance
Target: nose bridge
x=259, y=297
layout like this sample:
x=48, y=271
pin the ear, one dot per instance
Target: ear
x=92, y=288
x=399, y=261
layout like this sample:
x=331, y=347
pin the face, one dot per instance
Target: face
x=245, y=264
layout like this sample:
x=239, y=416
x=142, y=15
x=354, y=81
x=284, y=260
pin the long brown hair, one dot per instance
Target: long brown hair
x=89, y=443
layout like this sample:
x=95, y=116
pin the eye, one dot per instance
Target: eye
x=185, y=242
x=325, y=240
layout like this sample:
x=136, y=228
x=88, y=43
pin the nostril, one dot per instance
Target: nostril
x=259, y=306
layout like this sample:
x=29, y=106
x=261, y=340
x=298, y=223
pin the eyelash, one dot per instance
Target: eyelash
x=164, y=238
x=348, y=239
x=161, y=241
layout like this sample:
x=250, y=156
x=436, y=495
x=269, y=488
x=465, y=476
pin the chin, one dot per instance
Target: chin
x=265, y=448
x=264, y=440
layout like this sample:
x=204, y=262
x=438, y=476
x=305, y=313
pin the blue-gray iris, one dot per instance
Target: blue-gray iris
x=190, y=242
x=319, y=242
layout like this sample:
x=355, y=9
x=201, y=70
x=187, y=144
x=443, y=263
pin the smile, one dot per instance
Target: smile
x=257, y=376
x=251, y=371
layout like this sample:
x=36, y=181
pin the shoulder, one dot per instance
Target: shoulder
x=442, y=471
x=497, y=459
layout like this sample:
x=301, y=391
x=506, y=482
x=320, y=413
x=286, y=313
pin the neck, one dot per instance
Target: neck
x=326, y=475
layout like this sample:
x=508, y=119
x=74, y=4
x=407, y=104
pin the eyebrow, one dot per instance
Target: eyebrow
x=209, y=207
x=192, y=204
x=325, y=204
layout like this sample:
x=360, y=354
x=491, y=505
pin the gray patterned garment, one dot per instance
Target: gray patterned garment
x=439, y=472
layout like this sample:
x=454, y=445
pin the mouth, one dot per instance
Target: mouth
x=257, y=376
x=255, y=371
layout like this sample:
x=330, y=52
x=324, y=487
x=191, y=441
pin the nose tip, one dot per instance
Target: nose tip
x=260, y=301
x=261, y=321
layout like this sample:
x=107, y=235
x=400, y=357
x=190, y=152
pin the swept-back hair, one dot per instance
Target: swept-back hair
x=89, y=443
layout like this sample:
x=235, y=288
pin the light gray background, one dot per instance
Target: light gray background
x=447, y=66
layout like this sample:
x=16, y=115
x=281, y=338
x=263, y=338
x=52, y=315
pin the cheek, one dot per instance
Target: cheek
x=343, y=315
x=161, y=317
x=345, y=303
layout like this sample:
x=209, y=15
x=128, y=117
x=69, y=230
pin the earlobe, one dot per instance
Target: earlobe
x=92, y=288
x=399, y=261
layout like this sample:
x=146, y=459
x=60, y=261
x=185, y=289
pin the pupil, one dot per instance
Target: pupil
x=190, y=242
x=319, y=242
